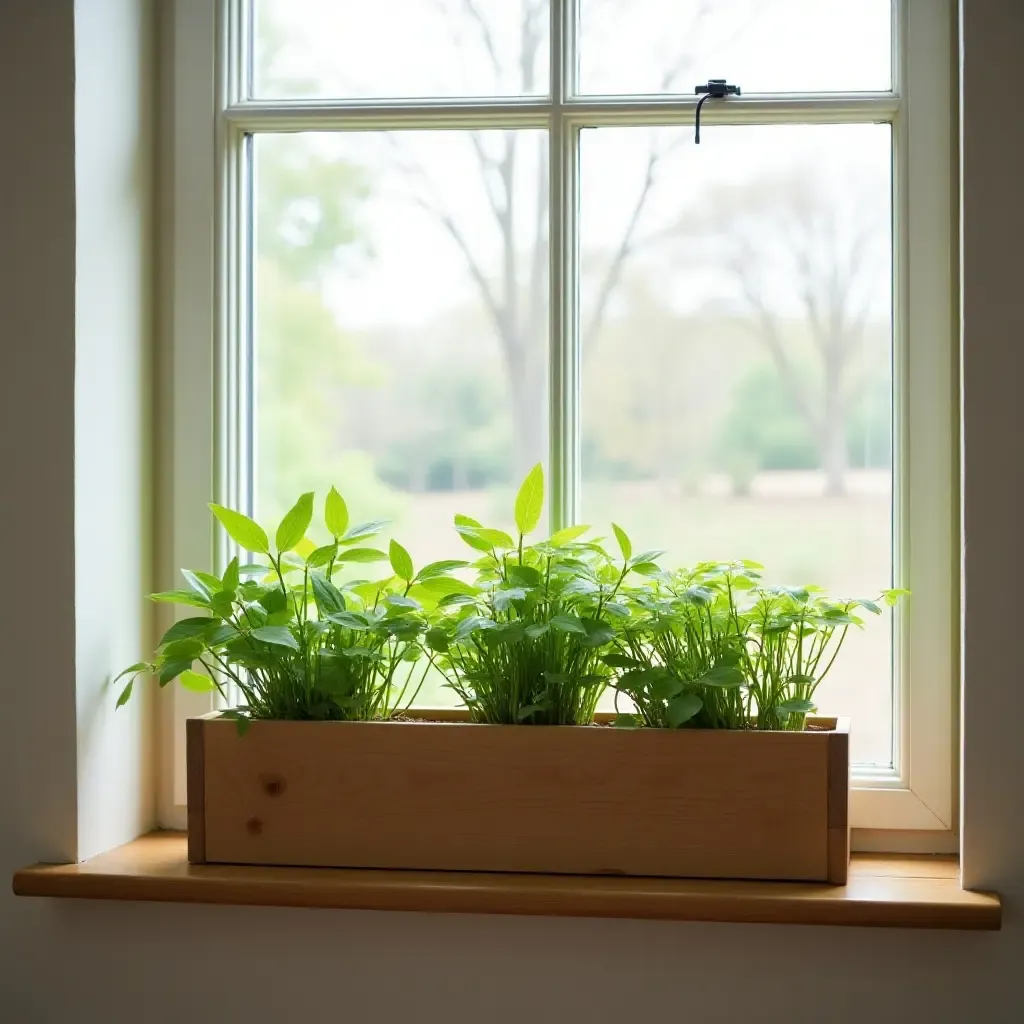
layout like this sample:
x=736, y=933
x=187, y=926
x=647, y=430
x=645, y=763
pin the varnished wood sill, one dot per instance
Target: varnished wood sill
x=883, y=891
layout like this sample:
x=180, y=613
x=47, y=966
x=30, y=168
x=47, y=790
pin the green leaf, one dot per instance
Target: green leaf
x=198, y=682
x=362, y=555
x=471, y=624
x=469, y=535
x=724, y=675
x=220, y=635
x=401, y=601
x=231, y=576
x=322, y=556
x=682, y=709
x=529, y=711
x=185, y=628
x=172, y=668
x=222, y=604
x=439, y=568
x=437, y=639
x=617, y=660
x=254, y=569
x=484, y=539
x=362, y=531
x=125, y=693
x=645, y=568
x=401, y=562
x=336, y=513
x=295, y=523
x=241, y=529
x=188, y=597
x=349, y=620
x=647, y=556
x=279, y=636
x=197, y=585
x=503, y=599
x=275, y=600
x=566, y=536
x=796, y=707
x=598, y=633
x=568, y=624
x=530, y=501
x=626, y=722
x=537, y=630
x=327, y=596
x=625, y=545
x=892, y=597
x=525, y=574
x=186, y=647
x=139, y=666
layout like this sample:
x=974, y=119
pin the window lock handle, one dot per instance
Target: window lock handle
x=714, y=89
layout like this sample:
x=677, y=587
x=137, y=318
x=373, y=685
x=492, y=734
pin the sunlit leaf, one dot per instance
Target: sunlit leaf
x=530, y=501
x=566, y=536
x=401, y=562
x=241, y=529
x=198, y=682
x=362, y=555
x=295, y=523
x=336, y=513
x=625, y=545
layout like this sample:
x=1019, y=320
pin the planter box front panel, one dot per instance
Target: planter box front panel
x=581, y=800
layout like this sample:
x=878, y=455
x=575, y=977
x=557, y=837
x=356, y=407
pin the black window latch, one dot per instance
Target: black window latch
x=715, y=89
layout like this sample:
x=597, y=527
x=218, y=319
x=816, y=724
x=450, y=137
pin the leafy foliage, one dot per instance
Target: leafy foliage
x=297, y=640
x=715, y=647
x=535, y=637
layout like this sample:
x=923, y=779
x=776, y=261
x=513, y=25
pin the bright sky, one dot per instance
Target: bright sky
x=395, y=48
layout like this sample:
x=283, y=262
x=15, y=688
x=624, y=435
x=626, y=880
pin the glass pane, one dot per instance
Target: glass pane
x=737, y=354
x=400, y=48
x=401, y=326
x=669, y=46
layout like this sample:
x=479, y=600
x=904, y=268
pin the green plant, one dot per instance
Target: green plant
x=716, y=648
x=524, y=644
x=535, y=638
x=294, y=638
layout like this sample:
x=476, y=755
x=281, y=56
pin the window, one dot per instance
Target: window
x=454, y=238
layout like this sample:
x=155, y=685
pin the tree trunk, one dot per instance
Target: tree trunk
x=529, y=415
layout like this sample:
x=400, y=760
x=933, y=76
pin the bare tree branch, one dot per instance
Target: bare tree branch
x=470, y=7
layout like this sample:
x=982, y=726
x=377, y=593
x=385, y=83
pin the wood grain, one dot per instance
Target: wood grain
x=452, y=796
x=839, y=803
x=195, y=740
x=883, y=891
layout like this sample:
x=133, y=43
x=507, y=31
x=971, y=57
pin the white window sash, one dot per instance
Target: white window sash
x=207, y=432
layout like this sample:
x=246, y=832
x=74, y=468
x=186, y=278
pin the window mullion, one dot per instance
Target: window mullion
x=564, y=354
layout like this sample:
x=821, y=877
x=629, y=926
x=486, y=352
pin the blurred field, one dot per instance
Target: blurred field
x=785, y=523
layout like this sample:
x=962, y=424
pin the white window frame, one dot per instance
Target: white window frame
x=205, y=429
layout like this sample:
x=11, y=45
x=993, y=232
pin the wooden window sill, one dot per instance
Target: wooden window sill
x=883, y=890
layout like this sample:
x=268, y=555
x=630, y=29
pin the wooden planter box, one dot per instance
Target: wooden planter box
x=579, y=800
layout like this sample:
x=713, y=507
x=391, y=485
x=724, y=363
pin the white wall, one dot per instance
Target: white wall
x=114, y=106
x=63, y=961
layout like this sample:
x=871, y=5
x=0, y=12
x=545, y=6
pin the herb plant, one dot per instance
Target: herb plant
x=525, y=645
x=534, y=638
x=716, y=648
x=295, y=641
